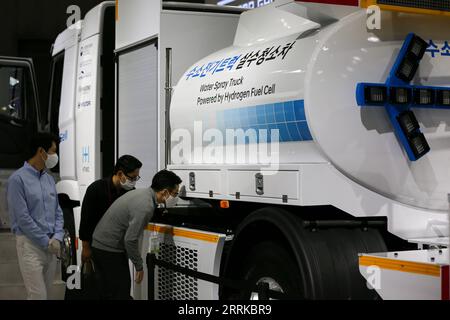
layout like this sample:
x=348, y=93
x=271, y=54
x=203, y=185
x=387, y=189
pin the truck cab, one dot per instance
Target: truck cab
x=108, y=96
x=80, y=111
x=19, y=119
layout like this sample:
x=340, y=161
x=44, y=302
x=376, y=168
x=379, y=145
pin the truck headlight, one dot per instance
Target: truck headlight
x=417, y=47
x=407, y=70
x=424, y=96
x=375, y=95
x=419, y=144
x=400, y=95
x=408, y=122
x=443, y=97
x=410, y=63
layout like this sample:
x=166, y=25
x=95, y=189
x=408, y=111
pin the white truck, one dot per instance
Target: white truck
x=83, y=66
x=294, y=129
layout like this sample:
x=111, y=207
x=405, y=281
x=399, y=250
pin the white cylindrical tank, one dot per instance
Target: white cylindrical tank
x=304, y=85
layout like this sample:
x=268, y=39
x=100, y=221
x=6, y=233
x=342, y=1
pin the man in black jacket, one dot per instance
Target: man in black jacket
x=101, y=194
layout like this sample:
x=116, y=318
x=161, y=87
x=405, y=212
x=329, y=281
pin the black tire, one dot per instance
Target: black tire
x=69, y=225
x=271, y=260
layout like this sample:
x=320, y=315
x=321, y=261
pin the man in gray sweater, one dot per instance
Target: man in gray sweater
x=116, y=237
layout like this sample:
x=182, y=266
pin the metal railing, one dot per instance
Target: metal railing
x=263, y=290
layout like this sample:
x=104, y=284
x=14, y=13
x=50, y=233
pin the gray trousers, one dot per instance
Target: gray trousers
x=38, y=268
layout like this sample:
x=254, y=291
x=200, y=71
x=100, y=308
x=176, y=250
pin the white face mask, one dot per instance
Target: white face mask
x=52, y=160
x=171, y=201
x=128, y=184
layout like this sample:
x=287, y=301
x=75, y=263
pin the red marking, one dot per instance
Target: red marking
x=342, y=2
x=445, y=283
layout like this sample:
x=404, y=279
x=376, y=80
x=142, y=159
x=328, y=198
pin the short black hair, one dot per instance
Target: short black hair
x=165, y=179
x=127, y=164
x=41, y=140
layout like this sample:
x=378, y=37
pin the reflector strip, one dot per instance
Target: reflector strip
x=402, y=266
x=184, y=233
x=117, y=10
x=432, y=7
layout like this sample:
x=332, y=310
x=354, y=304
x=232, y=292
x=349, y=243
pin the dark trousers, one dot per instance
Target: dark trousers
x=114, y=274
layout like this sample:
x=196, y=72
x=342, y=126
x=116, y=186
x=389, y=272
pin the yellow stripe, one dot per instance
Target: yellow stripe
x=402, y=266
x=184, y=233
x=367, y=3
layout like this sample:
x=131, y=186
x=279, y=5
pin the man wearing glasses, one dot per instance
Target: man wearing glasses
x=116, y=237
x=101, y=194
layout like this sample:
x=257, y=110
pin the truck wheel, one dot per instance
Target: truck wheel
x=270, y=262
x=69, y=225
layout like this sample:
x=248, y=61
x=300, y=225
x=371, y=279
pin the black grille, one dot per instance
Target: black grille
x=443, y=5
x=173, y=285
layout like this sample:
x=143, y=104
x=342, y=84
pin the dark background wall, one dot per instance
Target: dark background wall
x=28, y=29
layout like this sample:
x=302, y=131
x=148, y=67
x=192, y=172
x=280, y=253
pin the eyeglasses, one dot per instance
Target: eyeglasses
x=173, y=194
x=137, y=178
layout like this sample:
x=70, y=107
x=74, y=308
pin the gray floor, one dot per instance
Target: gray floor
x=11, y=282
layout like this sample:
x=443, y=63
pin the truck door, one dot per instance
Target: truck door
x=55, y=93
x=19, y=119
x=19, y=112
x=137, y=103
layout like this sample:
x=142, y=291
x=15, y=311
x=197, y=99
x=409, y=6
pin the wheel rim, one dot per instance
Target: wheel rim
x=273, y=285
x=67, y=250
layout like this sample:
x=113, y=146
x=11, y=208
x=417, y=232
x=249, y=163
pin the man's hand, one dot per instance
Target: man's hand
x=54, y=247
x=139, y=276
x=86, y=252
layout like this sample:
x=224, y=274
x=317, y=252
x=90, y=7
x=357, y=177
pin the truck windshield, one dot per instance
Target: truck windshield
x=12, y=85
x=55, y=91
